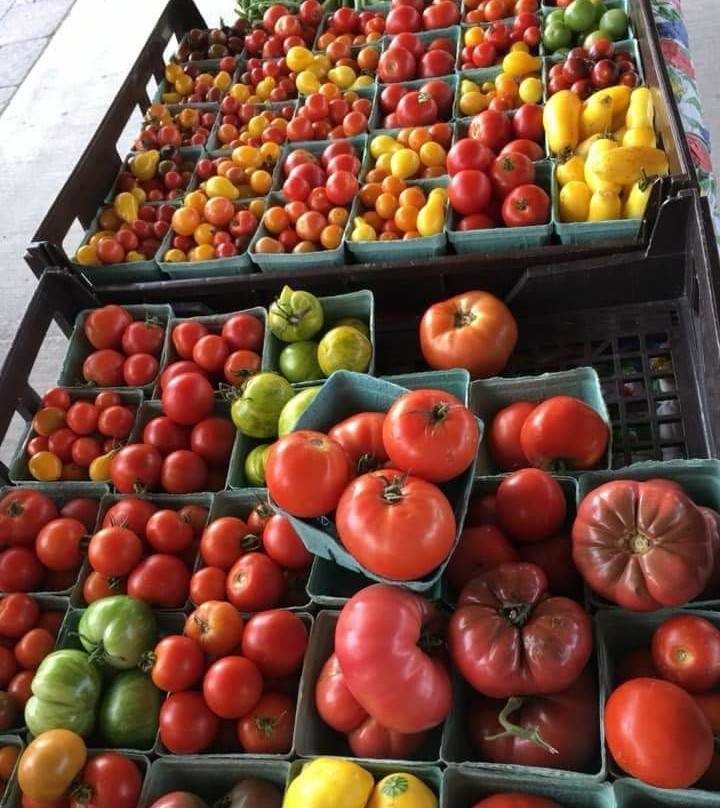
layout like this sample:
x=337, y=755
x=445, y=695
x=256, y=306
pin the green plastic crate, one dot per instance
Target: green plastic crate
x=631, y=793
x=19, y=470
x=79, y=348
x=313, y=737
x=488, y=396
x=699, y=478
x=210, y=778
x=499, y=239
x=345, y=394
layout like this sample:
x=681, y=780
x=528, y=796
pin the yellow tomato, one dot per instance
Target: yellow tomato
x=270, y=152
x=474, y=36
x=125, y=205
x=171, y=98
x=87, y=255
x=519, y=63
x=307, y=82
x=260, y=181
x=519, y=46
x=605, y=205
x=432, y=154
x=342, y=76
x=572, y=169
x=473, y=103
x=598, y=147
x=247, y=157
x=99, y=471
x=221, y=186
x=299, y=58
x=203, y=252
x=173, y=71
x=561, y=120
x=402, y=790
x=640, y=136
x=223, y=80
x=195, y=199
x=257, y=125
x=184, y=84
x=383, y=162
x=45, y=467
x=383, y=144
x=531, y=90
x=467, y=86
x=50, y=763
x=203, y=233
x=362, y=231
x=362, y=81
x=431, y=218
x=133, y=256
x=574, y=202
x=174, y=256
x=240, y=92
x=441, y=193
x=144, y=165
x=257, y=208
x=404, y=163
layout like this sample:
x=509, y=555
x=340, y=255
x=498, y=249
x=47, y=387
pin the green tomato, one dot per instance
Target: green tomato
x=556, y=36
x=295, y=316
x=255, y=465
x=118, y=630
x=600, y=9
x=554, y=17
x=614, y=24
x=298, y=362
x=66, y=690
x=354, y=322
x=344, y=348
x=258, y=409
x=129, y=711
x=580, y=16
x=295, y=408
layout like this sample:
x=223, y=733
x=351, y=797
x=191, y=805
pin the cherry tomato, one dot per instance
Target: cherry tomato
x=686, y=651
x=18, y=614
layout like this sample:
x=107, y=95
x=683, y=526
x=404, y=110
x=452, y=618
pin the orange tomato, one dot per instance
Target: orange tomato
x=276, y=219
x=338, y=216
x=406, y=218
x=8, y=756
x=441, y=133
x=369, y=193
x=412, y=196
x=310, y=225
x=185, y=220
x=374, y=219
x=417, y=137
x=386, y=205
x=375, y=175
x=393, y=185
x=295, y=210
x=265, y=244
x=331, y=236
x=368, y=59
x=261, y=181
x=196, y=200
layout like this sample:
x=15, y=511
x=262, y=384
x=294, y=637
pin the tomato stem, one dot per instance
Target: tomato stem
x=462, y=317
x=393, y=491
x=15, y=508
x=249, y=542
x=367, y=462
x=516, y=613
x=513, y=730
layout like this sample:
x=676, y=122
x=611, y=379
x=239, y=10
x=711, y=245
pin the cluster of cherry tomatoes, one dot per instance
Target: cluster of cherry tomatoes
x=188, y=126
x=245, y=173
x=281, y=30
x=415, y=15
x=408, y=58
x=251, y=124
x=586, y=70
x=72, y=440
x=430, y=144
x=144, y=551
x=160, y=175
x=321, y=117
x=233, y=685
x=351, y=28
x=199, y=45
x=485, y=46
x=495, y=10
x=43, y=545
x=188, y=84
x=401, y=106
x=265, y=80
x=256, y=562
x=127, y=351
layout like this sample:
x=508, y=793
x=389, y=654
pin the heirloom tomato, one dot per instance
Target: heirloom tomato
x=50, y=763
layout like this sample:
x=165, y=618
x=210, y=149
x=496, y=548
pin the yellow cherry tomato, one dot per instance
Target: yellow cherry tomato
x=173, y=71
x=604, y=205
x=574, y=202
x=299, y=58
x=432, y=154
x=144, y=165
x=531, y=90
x=473, y=103
x=139, y=194
x=45, y=467
x=383, y=144
x=431, y=217
x=195, y=199
x=362, y=81
x=362, y=231
x=247, y=157
x=383, y=162
x=257, y=208
x=402, y=790
x=404, y=163
x=307, y=82
x=203, y=233
x=172, y=98
x=134, y=256
x=174, y=256
x=99, y=471
x=474, y=36
x=203, y=252
x=221, y=186
x=261, y=181
x=126, y=206
x=519, y=46
x=257, y=125
x=467, y=86
x=342, y=76
x=270, y=152
x=223, y=80
x=184, y=84
x=87, y=255
x=240, y=92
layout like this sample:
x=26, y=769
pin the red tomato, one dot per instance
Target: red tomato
x=563, y=432
x=390, y=97
x=20, y=688
x=33, y=648
x=416, y=109
x=114, y=551
x=526, y=206
x=23, y=513
x=111, y=780
x=402, y=18
x=165, y=435
x=56, y=397
x=185, y=335
x=507, y=637
x=396, y=64
x=167, y=532
x=140, y=369
x=361, y=437
x=187, y=725
x=441, y=92
x=469, y=154
x=207, y=584
x=8, y=666
x=232, y=686
x=210, y=353
x=530, y=505
x=712, y=521
x=409, y=42
x=552, y=719
x=105, y=326
x=20, y=571
x=492, y=128
x=216, y=626
x=213, y=440
x=259, y=517
x=641, y=545
x=136, y=468
x=504, y=436
x=196, y=516
x=509, y=171
x=430, y=434
x=686, y=651
x=527, y=123
x=281, y=542
x=224, y=540
x=276, y=642
x=480, y=549
x=240, y=365
x=104, y=368
x=255, y=583
x=183, y=472
x=554, y=557
x=376, y=642
x=96, y=587
x=243, y=332
x=143, y=337
x=162, y=581
x=58, y=544
x=481, y=511
x=334, y=702
x=188, y=398
x=657, y=733
x=18, y=614
x=309, y=456
x=131, y=513
x=371, y=740
x=341, y=187
x=524, y=146
x=440, y=14
x=115, y=422
x=82, y=417
x=268, y=727
x=469, y=191
x=177, y=369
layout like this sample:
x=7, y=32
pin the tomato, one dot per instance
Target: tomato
x=396, y=64
x=96, y=587
x=255, y=583
x=307, y=457
x=104, y=327
x=240, y=365
x=268, y=727
x=207, y=584
x=56, y=397
x=371, y=740
x=115, y=422
x=136, y=468
x=109, y=780
x=276, y=642
x=504, y=436
x=524, y=146
x=474, y=330
x=232, y=687
x=18, y=614
x=210, y=353
x=509, y=638
x=361, y=437
x=480, y=549
x=140, y=369
x=657, y=733
x=530, y=505
x=143, y=337
x=188, y=398
x=104, y=368
x=187, y=725
x=33, y=648
x=282, y=543
x=20, y=571
x=509, y=171
x=131, y=513
x=686, y=651
x=554, y=557
x=334, y=702
x=430, y=434
x=162, y=581
x=492, y=128
x=179, y=799
x=440, y=14
x=257, y=411
x=58, y=544
x=712, y=522
x=165, y=435
x=401, y=19
x=50, y=763
x=23, y=513
x=114, y=551
x=185, y=335
x=224, y=540
x=183, y=472
x=213, y=440
x=341, y=188
x=539, y=730
x=641, y=545
x=259, y=517
x=196, y=516
x=526, y=206
x=216, y=626
x=469, y=154
x=416, y=109
x=20, y=687
x=167, y=532
x=527, y=123
x=8, y=665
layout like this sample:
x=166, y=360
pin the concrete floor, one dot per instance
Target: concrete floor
x=72, y=84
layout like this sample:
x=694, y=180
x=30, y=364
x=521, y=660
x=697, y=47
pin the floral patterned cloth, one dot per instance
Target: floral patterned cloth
x=675, y=48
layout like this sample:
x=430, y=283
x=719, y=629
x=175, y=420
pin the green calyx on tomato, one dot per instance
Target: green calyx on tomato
x=295, y=316
x=298, y=361
x=509, y=729
x=118, y=630
x=129, y=711
x=257, y=411
x=292, y=411
x=344, y=348
x=66, y=690
x=255, y=465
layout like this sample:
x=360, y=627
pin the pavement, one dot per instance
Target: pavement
x=61, y=64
